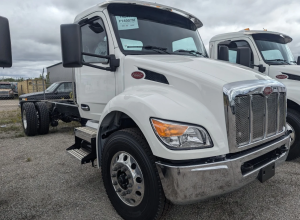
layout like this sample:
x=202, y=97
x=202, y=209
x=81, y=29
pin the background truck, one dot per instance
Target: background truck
x=269, y=54
x=6, y=90
x=165, y=123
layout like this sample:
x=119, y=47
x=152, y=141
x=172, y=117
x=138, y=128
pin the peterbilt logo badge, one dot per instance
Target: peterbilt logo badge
x=268, y=91
x=137, y=75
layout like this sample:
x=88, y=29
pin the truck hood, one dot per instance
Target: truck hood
x=281, y=69
x=179, y=64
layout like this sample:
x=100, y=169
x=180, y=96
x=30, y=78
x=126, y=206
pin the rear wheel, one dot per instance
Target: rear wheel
x=43, y=117
x=293, y=121
x=29, y=119
x=130, y=176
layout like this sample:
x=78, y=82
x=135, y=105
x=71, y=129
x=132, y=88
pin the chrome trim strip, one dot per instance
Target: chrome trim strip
x=210, y=168
x=248, y=88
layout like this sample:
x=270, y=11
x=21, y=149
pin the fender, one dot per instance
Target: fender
x=170, y=104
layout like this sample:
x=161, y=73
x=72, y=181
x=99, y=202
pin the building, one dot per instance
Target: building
x=58, y=73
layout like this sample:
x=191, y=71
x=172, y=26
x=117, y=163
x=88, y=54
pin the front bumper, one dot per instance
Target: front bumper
x=189, y=184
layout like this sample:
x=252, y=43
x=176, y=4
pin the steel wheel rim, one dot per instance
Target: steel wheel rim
x=293, y=135
x=127, y=179
x=24, y=119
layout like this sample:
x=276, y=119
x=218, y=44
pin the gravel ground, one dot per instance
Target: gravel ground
x=40, y=180
x=8, y=104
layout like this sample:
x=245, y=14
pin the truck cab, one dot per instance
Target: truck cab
x=166, y=124
x=269, y=54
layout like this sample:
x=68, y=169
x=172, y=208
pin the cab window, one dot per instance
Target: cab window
x=65, y=87
x=94, y=41
x=232, y=50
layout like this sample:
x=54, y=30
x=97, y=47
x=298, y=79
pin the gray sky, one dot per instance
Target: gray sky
x=35, y=25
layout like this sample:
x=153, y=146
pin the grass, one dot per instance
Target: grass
x=10, y=117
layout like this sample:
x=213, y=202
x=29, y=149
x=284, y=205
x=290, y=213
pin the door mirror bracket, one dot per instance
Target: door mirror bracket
x=261, y=68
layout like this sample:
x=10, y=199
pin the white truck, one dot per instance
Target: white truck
x=268, y=53
x=165, y=123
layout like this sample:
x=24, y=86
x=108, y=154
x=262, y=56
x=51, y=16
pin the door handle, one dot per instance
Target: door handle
x=85, y=107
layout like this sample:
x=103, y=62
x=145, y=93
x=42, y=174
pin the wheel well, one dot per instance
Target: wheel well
x=113, y=122
x=293, y=105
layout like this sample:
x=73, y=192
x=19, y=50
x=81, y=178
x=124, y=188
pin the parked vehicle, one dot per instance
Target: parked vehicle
x=268, y=53
x=14, y=86
x=6, y=90
x=165, y=123
x=58, y=90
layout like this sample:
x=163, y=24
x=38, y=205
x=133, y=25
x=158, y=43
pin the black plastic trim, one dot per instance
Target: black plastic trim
x=153, y=76
x=292, y=76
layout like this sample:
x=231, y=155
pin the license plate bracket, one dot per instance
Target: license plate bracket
x=266, y=173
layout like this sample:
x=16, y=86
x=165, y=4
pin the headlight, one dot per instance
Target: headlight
x=24, y=99
x=181, y=136
x=10, y=91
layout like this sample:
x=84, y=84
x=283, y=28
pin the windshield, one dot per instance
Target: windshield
x=275, y=51
x=52, y=87
x=146, y=30
x=5, y=86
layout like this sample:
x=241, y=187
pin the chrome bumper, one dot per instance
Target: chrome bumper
x=189, y=184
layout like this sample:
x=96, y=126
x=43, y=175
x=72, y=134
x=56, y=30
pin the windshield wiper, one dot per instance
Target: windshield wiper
x=280, y=60
x=151, y=48
x=193, y=52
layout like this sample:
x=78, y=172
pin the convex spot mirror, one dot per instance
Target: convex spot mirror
x=5, y=43
x=96, y=27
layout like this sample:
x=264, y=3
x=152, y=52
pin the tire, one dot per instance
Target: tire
x=153, y=203
x=29, y=119
x=43, y=118
x=293, y=119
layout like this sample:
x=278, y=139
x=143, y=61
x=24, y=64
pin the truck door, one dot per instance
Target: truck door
x=94, y=87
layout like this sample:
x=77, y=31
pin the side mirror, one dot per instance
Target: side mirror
x=223, y=53
x=244, y=56
x=71, y=45
x=71, y=48
x=5, y=44
x=298, y=61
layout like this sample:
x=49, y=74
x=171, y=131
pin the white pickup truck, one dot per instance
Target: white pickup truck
x=166, y=124
x=267, y=52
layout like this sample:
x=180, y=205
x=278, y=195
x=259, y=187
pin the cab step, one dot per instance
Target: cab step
x=84, y=148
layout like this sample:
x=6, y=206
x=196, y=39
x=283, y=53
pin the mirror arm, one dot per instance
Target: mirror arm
x=114, y=63
x=261, y=68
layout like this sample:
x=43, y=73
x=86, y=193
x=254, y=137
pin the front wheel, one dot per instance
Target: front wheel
x=293, y=122
x=130, y=176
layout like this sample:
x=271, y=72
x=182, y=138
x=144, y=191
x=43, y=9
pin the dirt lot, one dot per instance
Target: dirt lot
x=40, y=180
x=8, y=104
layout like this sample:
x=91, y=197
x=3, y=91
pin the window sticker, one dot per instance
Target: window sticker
x=127, y=44
x=127, y=23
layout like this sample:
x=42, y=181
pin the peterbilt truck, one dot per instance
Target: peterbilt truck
x=166, y=124
x=268, y=53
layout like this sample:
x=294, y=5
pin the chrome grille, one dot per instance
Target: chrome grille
x=281, y=112
x=242, y=119
x=4, y=93
x=257, y=117
x=259, y=111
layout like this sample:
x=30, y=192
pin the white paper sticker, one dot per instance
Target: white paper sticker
x=127, y=23
x=131, y=44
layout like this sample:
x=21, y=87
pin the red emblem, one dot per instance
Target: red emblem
x=137, y=75
x=268, y=90
x=281, y=76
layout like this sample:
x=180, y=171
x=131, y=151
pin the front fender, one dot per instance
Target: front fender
x=143, y=102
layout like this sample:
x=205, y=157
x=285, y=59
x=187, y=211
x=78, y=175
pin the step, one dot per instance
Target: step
x=85, y=133
x=79, y=153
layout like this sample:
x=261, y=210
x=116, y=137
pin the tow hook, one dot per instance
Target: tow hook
x=246, y=167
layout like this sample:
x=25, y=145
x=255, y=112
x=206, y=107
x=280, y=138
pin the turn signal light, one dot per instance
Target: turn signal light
x=168, y=130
